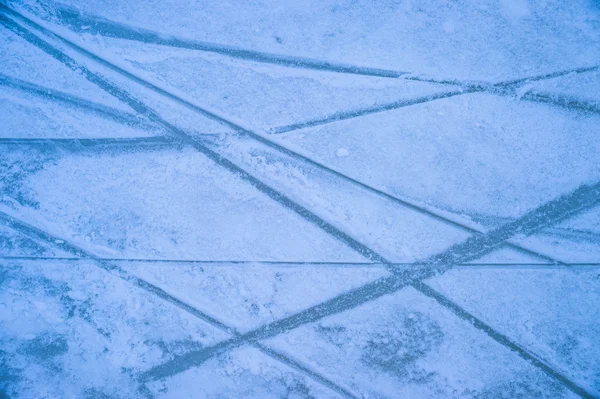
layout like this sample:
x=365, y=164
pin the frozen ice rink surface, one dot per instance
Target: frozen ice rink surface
x=302, y=199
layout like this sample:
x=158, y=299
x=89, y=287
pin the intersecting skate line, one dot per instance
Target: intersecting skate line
x=550, y=213
x=505, y=88
x=180, y=98
x=488, y=334
x=98, y=25
x=298, y=264
x=509, y=88
x=183, y=137
x=115, y=270
x=101, y=110
x=498, y=87
x=76, y=144
x=195, y=143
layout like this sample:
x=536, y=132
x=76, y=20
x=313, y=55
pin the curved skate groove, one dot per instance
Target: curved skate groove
x=105, y=27
x=35, y=233
x=184, y=138
x=583, y=198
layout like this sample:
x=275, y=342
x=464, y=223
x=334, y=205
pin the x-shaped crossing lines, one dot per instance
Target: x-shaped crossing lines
x=583, y=198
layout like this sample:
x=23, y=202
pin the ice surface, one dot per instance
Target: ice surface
x=466, y=39
x=179, y=205
x=405, y=345
x=238, y=176
x=477, y=154
x=262, y=95
x=581, y=86
x=553, y=312
x=72, y=330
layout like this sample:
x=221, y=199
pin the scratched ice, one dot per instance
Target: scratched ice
x=302, y=199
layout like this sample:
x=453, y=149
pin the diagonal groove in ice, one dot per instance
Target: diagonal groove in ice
x=181, y=135
x=485, y=245
x=280, y=147
x=548, y=214
x=511, y=88
x=121, y=273
x=101, y=26
x=71, y=100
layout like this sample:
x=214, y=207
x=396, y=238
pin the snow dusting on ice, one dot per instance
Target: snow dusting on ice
x=300, y=199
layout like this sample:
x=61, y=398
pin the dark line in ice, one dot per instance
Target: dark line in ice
x=548, y=214
x=104, y=27
x=149, y=113
x=546, y=76
x=339, y=116
x=101, y=110
x=501, y=338
x=80, y=143
x=37, y=234
x=299, y=264
x=562, y=101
